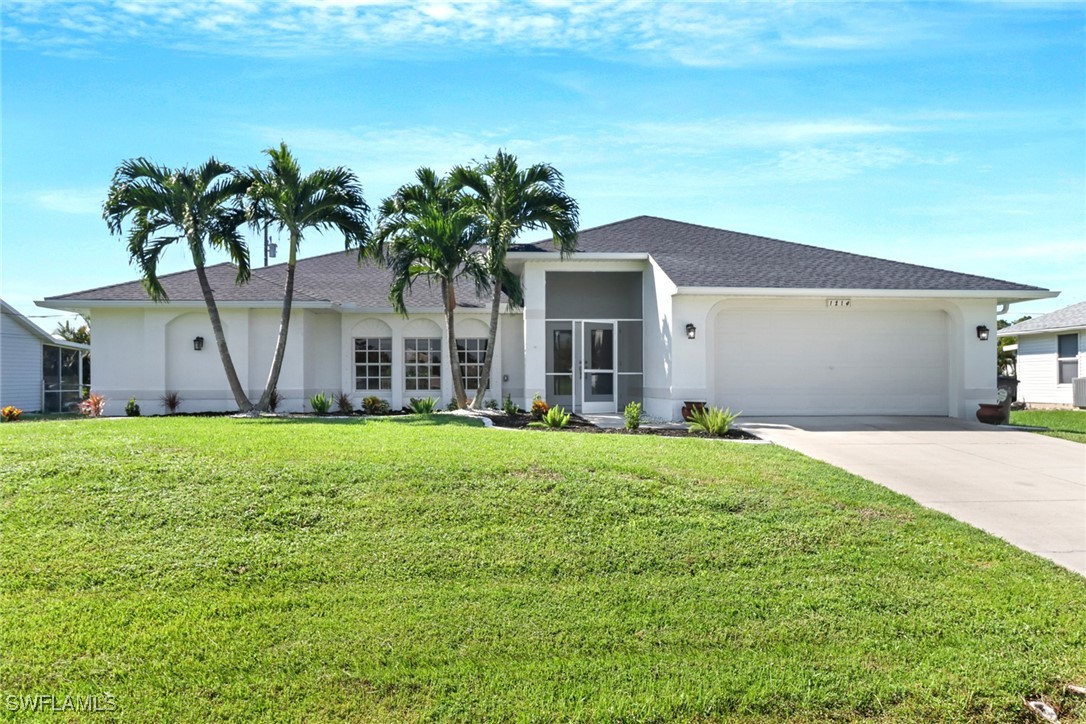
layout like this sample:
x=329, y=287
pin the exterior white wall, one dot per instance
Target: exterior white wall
x=20, y=366
x=664, y=338
x=361, y=324
x=971, y=366
x=1038, y=372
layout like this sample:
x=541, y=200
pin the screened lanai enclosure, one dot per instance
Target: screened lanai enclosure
x=63, y=378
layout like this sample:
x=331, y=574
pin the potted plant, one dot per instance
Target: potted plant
x=689, y=407
x=994, y=414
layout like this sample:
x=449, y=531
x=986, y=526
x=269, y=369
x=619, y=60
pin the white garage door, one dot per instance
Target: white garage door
x=832, y=362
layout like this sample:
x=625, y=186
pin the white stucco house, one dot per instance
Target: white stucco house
x=38, y=372
x=1051, y=354
x=647, y=309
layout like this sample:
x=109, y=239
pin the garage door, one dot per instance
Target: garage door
x=831, y=362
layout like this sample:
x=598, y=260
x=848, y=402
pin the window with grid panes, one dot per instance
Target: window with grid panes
x=472, y=354
x=422, y=364
x=373, y=363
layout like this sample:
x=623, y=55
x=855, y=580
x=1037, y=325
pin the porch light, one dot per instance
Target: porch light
x=982, y=333
x=691, y=331
x=198, y=344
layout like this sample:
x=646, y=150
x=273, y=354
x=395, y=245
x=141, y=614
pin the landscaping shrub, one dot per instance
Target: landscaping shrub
x=423, y=406
x=171, y=401
x=555, y=418
x=374, y=405
x=539, y=408
x=491, y=404
x=452, y=406
x=508, y=407
x=274, y=400
x=632, y=415
x=344, y=406
x=320, y=403
x=132, y=409
x=11, y=413
x=93, y=406
x=712, y=420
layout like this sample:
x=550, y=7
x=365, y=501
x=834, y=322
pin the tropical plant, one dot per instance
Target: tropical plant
x=509, y=407
x=324, y=200
x=70, y=333
x=274, y=400
x=711, y=420
x=374, y=405
x=93, y=406
x=132, y=409
x=423, y=406
x=429, y=230
x=11, y=413
x=344, y=406
x=632, y=415
x=555, y=418
x=320, y=403
x=539, y=407
x=512, y=200
x=171, y=401
x=199, y=207
x=492, y=404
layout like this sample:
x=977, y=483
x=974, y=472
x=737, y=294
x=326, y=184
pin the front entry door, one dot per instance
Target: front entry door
x=598, y=367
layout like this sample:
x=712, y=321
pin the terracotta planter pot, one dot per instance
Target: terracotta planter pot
x=991, y=414
x=689, y=407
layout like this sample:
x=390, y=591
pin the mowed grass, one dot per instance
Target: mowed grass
x=1066, y=424
x=248, y=570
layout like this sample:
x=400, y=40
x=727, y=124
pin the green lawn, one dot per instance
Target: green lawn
x=1066, y=424
x=234, y=569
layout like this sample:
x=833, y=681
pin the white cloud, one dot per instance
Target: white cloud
x=71, y=201
x=696, y=34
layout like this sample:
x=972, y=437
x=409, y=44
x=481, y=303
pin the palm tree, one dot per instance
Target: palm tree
x=326, y=199
x=429, y=229
x=512, y=200
x=197, y=206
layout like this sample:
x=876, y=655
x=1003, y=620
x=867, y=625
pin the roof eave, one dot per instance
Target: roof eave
x=1002, y=296
x=77, y=305
x=1012, y=332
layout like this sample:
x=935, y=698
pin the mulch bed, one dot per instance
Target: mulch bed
x=579, y=424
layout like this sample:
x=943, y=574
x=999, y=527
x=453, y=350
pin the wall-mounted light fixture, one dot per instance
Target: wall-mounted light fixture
x=691, y=331
x=198, y=344
x=982, y=333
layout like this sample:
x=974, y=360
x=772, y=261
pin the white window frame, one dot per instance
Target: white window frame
x=433, y=363
x=1060, y=361
x=370, y=362
x=481, y=343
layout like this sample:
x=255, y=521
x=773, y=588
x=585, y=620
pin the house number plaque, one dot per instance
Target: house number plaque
x=838, y=302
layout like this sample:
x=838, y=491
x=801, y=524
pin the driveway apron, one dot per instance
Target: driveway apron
x=1026, y=488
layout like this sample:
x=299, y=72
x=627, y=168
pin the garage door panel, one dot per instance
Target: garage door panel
x=805, y=362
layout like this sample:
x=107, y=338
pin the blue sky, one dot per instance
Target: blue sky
x=950, y=135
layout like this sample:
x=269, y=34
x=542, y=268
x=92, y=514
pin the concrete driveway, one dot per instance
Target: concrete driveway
x=1028, y=489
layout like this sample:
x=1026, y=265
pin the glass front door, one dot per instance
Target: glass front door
x=598, y=367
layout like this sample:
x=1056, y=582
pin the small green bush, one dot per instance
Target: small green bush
x=374, y=405
x=132, y=409
x=509, y=407
x=712, y=420
x=344, y=406
x=491, y=404
x=423, y=406
x=632, y=415
x=452, y=406
x=321, y=403
x=555, y=418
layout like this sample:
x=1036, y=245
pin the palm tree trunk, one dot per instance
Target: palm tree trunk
x=448, y=295
x=284, y=327
x=220, y=340
x=491, y=341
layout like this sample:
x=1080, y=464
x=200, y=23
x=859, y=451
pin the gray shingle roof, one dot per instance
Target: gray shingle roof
x=1071, y=317
x=333, y=278
x=702, y=256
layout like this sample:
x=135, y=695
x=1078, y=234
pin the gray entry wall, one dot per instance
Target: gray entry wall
x=594, y=295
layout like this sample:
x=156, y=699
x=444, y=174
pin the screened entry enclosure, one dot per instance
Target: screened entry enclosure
x=62, y=378
x=594, y=365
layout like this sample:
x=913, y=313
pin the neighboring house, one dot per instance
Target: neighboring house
x=38, y=373
x=648, y=309
x=1051, y=350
